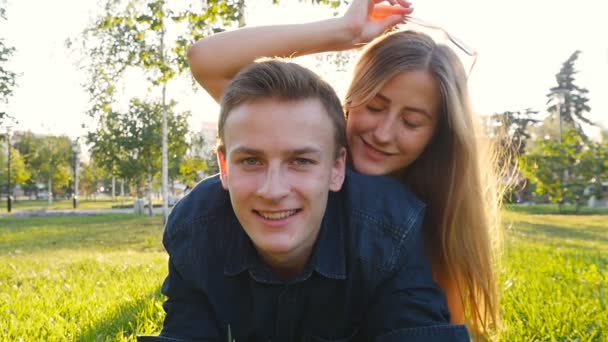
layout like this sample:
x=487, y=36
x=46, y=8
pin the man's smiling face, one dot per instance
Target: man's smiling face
x=279, y=164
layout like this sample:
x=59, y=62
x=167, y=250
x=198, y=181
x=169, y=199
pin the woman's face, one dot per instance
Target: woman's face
x=391, y=130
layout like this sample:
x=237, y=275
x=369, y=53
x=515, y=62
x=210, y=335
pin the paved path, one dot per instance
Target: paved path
x=78, y=212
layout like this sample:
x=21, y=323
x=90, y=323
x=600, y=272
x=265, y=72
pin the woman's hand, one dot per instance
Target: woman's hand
x=367, y=19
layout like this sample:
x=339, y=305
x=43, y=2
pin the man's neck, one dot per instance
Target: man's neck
x=288, y=266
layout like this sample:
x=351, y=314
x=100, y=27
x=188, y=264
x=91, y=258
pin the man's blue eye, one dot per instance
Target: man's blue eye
x=250, y=161
x=303, y=162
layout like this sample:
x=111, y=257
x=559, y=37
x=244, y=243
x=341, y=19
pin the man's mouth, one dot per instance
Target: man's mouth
x=277, y=215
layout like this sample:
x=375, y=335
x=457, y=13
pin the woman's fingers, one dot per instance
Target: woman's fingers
x=403, y=3
x=382, y=11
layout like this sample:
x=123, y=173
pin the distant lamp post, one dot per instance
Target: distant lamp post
x=561, y=99
x=9, y=200
x=76, y=150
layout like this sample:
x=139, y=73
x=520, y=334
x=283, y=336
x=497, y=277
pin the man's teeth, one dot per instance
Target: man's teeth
x=276, y=215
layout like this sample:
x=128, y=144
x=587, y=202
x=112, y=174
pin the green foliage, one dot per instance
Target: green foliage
x=91, y=176
x=48, y=158
x=129, y=142
x=20, y=174
x=7, y=77
x=566, y=171
x=133, y=33
x=593, y=166
x=177, y=144
x=202, y=159
x=191, y=169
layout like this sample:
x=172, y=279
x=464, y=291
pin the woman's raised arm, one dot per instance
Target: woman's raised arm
x=216, y=59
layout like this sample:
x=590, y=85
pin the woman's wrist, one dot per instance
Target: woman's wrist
x=344, y=35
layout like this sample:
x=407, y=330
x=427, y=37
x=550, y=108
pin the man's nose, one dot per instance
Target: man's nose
x=274, y=185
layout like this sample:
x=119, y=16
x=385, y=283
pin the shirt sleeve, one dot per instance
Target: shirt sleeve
x=409, y=305
x=189, y=315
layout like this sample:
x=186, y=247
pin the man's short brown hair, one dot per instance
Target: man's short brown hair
x=283, y=81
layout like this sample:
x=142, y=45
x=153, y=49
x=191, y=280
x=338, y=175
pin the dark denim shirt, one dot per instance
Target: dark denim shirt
x=368, y=277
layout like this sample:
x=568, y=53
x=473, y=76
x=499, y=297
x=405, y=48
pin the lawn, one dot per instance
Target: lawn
x=91, y=279
x=555, y=277
x=97, y=278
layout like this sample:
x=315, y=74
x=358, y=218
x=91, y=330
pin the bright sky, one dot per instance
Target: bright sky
x=521, y=46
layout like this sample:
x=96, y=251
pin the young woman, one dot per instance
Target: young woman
x=408, y=115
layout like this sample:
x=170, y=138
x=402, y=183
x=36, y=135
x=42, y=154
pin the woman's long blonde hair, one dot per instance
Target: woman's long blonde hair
x=455, y=175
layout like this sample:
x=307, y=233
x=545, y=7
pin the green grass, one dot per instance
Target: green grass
x=74, y=278
x=98, y=278
x=555, y=278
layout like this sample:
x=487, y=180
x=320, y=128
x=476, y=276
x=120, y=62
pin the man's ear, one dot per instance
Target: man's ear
x=338, y=171
x=221, y=160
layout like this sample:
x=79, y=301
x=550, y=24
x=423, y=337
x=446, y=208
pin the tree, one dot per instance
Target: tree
x=138, y=132
x=91, y=176
x=568, y=103
x=19, y=172
x=105, y=148
x=190, y=170
x=204, y=150
x=593, y=167
x=49, y=160
x=136, y=34
x=564, y=170
x=178, y=131
x=7, y=77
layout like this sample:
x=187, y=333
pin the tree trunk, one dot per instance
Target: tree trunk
x=122, y=191
x=113, y=188
x=165, y=147
x=241, y=13
x=50, y=191
x=150, y=193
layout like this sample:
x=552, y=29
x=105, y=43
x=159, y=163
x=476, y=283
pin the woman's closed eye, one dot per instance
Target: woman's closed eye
x=411, y=123
x=374, y=109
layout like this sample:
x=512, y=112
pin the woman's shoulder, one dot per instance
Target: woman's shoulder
x=383, y=196
x=383, y=215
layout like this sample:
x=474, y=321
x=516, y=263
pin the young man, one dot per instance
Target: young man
x=286, y=244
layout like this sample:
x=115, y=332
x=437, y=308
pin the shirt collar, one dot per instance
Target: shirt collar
x=328, y=257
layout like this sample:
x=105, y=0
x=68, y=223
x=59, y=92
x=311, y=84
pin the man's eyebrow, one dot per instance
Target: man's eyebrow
x=246, y=150
x=297, y=151
x=304, y=150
